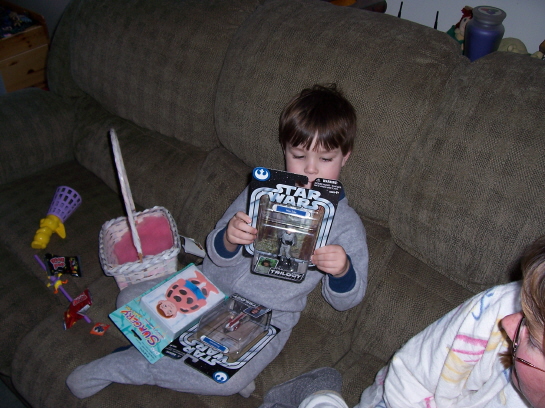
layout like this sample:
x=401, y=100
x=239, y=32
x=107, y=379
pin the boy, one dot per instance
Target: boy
x=316, y=131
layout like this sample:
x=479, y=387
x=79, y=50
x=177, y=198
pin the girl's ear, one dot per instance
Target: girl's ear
x=345, y=159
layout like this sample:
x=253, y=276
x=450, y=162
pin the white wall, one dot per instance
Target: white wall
x=525, y=18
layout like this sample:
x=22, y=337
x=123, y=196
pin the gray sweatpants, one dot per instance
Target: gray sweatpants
x=131, y=367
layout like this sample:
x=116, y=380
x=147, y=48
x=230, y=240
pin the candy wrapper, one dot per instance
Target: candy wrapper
x=77, y=309
x=63, y=264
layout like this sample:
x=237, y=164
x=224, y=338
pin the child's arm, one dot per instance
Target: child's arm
x=239, y=232
x=219, y=250
x=331, y=259
x=346, y=290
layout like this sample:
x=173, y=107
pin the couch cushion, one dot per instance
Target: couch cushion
x=163, y=75
x=32, y=121
x=24, y=302
x=392, y=91
x=404, y=295
x=161, y=170
x=221, y=178
x=25, y=298
x=24, y=202
x=59, y=78
x=471, y=194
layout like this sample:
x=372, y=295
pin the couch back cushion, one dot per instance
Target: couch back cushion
x=393, y=72
x=160, y=170
x=471, y=194
x=155, y=62
x=59, y=78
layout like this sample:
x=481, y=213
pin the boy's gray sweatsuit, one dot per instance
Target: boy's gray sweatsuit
x=232, y=275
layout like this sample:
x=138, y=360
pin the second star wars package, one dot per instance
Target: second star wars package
x=292, y=221
x=225, y=339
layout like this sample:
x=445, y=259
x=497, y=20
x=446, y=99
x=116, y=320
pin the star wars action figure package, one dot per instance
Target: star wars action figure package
x=292, y=221
x=225, y=339
x=154, y=319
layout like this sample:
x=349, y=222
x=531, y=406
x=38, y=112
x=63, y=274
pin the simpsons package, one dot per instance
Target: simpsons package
x=154, y=319
x=178, y=301
x=292, y=221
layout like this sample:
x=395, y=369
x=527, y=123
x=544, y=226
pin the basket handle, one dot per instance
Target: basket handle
x=126, y=191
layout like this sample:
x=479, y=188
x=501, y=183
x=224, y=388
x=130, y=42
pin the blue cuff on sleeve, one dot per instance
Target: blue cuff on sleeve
x=220, y=246
x=345, y=283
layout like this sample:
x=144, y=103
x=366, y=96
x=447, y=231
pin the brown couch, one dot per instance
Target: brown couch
x=447, y=173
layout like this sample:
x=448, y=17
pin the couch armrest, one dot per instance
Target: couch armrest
x=36, y=132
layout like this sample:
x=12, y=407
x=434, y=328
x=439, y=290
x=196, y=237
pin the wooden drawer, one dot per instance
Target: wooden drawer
x=23, y=56
x=24, y=69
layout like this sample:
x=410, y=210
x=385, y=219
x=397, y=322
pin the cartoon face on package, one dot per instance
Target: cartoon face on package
x=292, y=221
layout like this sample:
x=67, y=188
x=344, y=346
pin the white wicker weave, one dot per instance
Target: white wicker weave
x=149, y=266
x=152, y=266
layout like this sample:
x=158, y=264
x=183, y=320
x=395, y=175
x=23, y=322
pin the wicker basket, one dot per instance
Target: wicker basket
x=149, y=266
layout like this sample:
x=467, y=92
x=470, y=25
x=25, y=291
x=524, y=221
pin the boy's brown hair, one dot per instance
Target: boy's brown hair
x=320, y=112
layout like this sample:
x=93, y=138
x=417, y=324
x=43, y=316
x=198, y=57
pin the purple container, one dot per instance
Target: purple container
x=64, y=203
x=484, y=32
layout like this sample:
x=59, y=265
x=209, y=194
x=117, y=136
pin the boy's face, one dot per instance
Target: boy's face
x=313, y=163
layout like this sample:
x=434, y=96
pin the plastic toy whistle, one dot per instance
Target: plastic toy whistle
x=64, y=203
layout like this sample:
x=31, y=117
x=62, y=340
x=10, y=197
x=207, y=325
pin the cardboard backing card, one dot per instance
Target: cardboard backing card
x=292, y=221
x=197, y=347
x=209, y=360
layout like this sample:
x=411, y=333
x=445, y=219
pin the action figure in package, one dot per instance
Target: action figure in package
x=225, y=339
x=292, y=221
x=233, y=325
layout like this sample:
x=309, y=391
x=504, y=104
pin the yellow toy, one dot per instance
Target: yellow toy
x=48, y=226
x=64, y=203
x=513, y=45
x=57, y=282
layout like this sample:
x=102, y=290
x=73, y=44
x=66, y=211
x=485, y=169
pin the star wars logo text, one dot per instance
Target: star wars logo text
x=295, y=196
x=204, y=353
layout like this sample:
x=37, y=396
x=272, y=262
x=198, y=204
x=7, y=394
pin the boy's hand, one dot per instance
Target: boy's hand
x=331, y=259
x=239, y=232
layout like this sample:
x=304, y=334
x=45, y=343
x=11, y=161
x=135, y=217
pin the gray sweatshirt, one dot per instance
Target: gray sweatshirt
x=232, y=275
